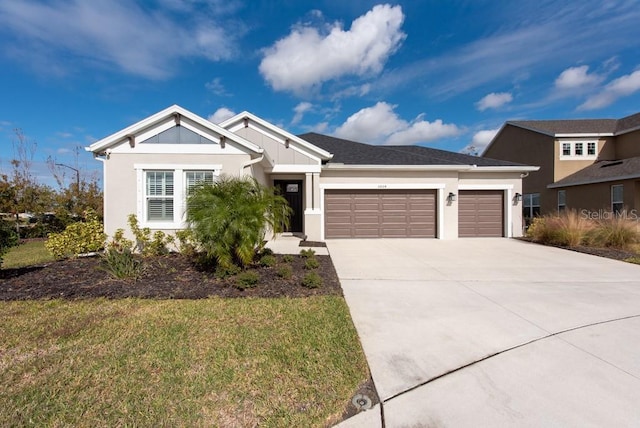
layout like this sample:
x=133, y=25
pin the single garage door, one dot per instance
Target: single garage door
x=380, y=213
x=481, y=213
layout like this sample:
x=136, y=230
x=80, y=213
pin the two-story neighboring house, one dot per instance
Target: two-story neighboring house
x=590, y=165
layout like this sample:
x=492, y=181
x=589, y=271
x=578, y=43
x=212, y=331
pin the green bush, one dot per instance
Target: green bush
x=230, y=218
x=248, y=279
x=119, y=242
x=77, y=238
x=186, y=242
x=307, y=253
x=312, y=280
x=616, y=232
x=121, y=263
x=226, y=271
x=147, y=244
x=285, y=272
x=266, y=251
x=311, y=263
x=268, y=260
x=8, y=238
x=287, y=258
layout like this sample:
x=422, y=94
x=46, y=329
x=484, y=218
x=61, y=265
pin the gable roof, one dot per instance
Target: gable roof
x=160, y=117
x=245, y=115
x=349, y=152
x=602, y=171
x=571, y=127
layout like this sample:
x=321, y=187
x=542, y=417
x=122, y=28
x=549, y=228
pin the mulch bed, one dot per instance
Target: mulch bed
x=609, y=253
x=164, y=277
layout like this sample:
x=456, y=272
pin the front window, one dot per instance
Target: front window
x=194, y=178
x=562, y=200
x=159, y=195
x=579, y=149
x=531, y=205
x=566, y=149
x=617, y=198
x=591, y=148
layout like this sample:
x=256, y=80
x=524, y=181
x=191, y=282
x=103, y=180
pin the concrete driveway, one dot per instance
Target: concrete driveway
x=494, y=332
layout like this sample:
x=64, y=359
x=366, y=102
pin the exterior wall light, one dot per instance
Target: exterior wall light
x=452, y=197
x=517, y=197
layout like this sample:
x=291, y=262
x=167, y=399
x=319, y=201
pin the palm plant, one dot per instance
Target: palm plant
x=230, y=218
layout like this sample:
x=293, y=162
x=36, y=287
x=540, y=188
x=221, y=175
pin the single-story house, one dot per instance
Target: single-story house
x=337, y=188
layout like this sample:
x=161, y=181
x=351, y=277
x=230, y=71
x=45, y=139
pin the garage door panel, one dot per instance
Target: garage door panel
x=380, y=213
x=481, y=213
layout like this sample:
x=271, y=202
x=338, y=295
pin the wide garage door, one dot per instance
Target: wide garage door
x=380, y=213
x=480, y=213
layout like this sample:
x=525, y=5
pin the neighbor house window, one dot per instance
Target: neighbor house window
x=531, y=205
x=194, y=178
x=562, y=200
x=159, y=195
x=617, y=198
x=578, y=150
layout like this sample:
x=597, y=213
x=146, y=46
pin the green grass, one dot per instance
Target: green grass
x=27, y=254
x=215, y=362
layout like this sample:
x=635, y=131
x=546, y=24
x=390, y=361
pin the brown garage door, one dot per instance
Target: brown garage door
x=380, y=213
x=480, y=213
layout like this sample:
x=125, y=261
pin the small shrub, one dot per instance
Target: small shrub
x=287, y=258
x=312, y=280
x=186, y=242
x=8, y=238
x=307, y=253
x=247, y=279
x=146, y=244
x=615, y=232
x=634, y=260
x=285, y=272
x=268, y=260
x=266, y=251
x=119, y=242
x=77, y=238
x=224, y=271
x=121, y=264
x=311, y=263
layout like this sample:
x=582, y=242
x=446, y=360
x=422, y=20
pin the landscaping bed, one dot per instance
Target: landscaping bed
x=172, y=276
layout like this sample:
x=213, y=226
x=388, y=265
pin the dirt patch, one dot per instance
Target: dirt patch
x=164, y=277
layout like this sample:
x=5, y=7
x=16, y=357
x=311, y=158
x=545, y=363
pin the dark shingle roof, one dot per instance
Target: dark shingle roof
x=354, y=153
x=582, y=126
x=603, y=171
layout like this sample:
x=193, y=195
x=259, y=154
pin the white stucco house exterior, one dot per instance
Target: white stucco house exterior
x=337, y=188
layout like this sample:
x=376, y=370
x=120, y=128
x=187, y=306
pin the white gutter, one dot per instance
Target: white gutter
x=461, y=168
x=251, y=162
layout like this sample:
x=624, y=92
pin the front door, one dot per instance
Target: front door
x=292, y=192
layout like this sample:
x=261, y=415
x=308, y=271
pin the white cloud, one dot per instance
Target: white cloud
x=300, y=110
x=221, y=115
x=494, y=100
x=309, y=56
x=618, y=88
x=381, y=125
x=577, y=77
x=115, y=34
x=216, y=86
x=480, y=140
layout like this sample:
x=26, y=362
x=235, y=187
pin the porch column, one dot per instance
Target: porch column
x=308, y=191
x=316, y=191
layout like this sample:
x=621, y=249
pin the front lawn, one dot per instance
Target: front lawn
x=28, y=253
x=207, y=362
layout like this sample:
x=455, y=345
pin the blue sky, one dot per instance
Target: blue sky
x=446, y=74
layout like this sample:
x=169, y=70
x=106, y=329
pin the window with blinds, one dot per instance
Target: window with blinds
x=159, y=195
x=194, y=178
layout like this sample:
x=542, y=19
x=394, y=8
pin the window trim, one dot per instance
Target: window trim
x=179, y=192
x=573, y=147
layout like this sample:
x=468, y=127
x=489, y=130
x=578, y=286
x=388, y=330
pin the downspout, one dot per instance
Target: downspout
x=251, y=162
